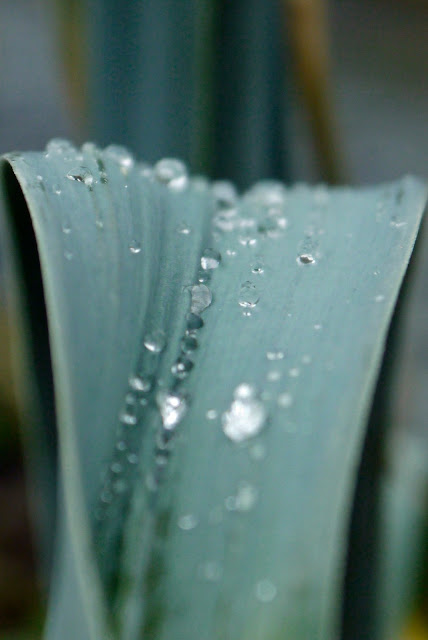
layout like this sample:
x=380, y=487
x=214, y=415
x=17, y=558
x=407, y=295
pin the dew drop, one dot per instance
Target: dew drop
x=306, y=359
x=210, y=259
x=265, y=590
x=258, y=266
x=132, y=458
x=225, y=194
x=194, y=322
x=274, y=376
x=128, y=415
x=275, y=354
x=139, y=384
x=246, y=416
x=68, y=255
x=246, y=497
x=66, y=228
x=61, y=146
x=184, y=229
x=248, y=295
x=189, y=344
x=182, y=367
x=116, y=467
x=247, y=240
x=172, y=406
x=379, y=298
x=306, y=258
x=122, y=156
x=81, y=174
x=294, y=372
x=187, y=522
x=284, y=400
x=121, y=445
x=155, y=341
x=172, y=173
x=210, y=571
x=134, y=247
x=211, y=414
x=201, y=298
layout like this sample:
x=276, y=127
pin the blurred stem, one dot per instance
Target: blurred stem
x=310, y=44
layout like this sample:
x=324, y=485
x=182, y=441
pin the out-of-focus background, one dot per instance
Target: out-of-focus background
x=354, y=108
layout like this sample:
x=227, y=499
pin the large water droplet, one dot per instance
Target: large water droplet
x=246, y=416
x=210, y=259
x=182, y=367
x=172, y=173
x=155, y=341
x=201, y=298
x=81, y=174
x=248, y=295
x=172, y=406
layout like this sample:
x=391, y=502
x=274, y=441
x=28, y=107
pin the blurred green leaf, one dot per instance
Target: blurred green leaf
x=190, y=506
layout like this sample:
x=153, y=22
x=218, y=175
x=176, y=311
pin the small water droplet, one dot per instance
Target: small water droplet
x=306, y=258
x=203, y=276
x=132, y=458
x=140, y=384
x=146, y=170
x=122, y=156
x=134, y=246
x=306, y=359
x=189, y=344
x=379, y=298
x=187, y=522
x=211, y=414
x=68, y=255
x=265, y=590
x=247, y=240
x=184, y=229
x=81, y=174
x=231, y=253
x=155, y=341
x=121, y=445
x=246, y=416
x=116, y=467
x=172, y=406
x=120, y=485
x=128, y=415
x=248, y=295
x=56, y=190
x=194, y=322
x=61, y=146
x=285, y=400
x=172, y=173
x=246, y=497
x=182, y=367
x=201, y=298
x=66, y=228
x=274, y=376
x=258, y=451
x=294, y=372
x=225, y=194
x=397, y=225
x=210, y=259
x=317, y=327
x=258, y=266
x=210, y=571
x=275, y=354
x=106, y=496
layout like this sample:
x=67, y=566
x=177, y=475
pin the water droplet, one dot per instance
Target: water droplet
x=134, y=246
x=60, y=146
x=225, y=194
x=248, y=295
x=194, y=322
x=274, y=376
x=184, y=229
x=155, y=341
x=397, y=225
x=182, y=367
x=285, y=400
x=265, y=590
x=247, y=240
x=128, y=415
x=139, y=384
x=379, y=298
x=187, y=522
x=201, y=298
x=81, y=174
x=189, y=344
x=146, y=170
x=120, y=485
x=172, y=406
x=258, y=266
x=68, y=255
x=317, y=327
x=275, y=354
x=122, y=156
x=246, y=416
x=56, y=190
x=121, y=445
x=210, y=259
x=210, y=571
x=204, y=276
x=211, y=414
x=66, y=228
x=231, y=253
x=106, y=496
x=172, y=173
x=294, y=372
x=258, y=451
x=246, y=497
x=132, y=458
x=306, y=258
x=116, y=467
x=306, y=359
